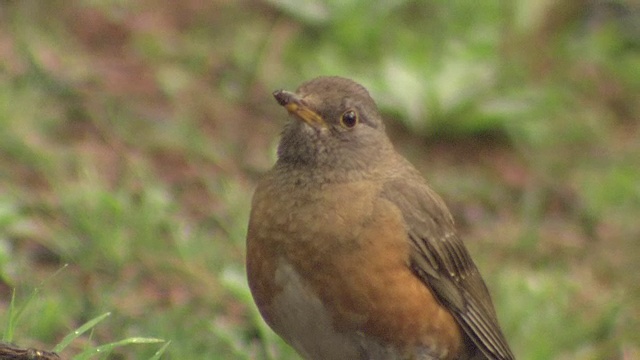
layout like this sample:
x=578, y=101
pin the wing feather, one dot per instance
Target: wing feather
x=441, y=260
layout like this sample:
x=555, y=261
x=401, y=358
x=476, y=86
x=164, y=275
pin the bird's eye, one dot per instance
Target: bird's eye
x=349, y=119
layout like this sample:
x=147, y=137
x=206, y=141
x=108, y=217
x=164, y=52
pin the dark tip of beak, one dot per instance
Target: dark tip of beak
x=283, y=97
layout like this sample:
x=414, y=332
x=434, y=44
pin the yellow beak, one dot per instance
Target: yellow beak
x=296, y=106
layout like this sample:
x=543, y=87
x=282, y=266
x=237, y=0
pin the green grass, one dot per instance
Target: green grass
x=131, y=142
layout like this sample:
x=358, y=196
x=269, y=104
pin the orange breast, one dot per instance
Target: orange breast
x=356, y=264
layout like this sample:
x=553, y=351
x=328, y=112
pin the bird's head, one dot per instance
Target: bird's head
x=336, y=126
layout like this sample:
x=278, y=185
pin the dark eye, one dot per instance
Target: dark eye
x=349, y=119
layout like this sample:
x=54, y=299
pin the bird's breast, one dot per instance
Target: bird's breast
x=328, y=270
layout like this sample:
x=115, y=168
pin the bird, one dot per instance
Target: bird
x=350, y=254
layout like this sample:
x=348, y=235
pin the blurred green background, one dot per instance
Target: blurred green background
x=132, y=134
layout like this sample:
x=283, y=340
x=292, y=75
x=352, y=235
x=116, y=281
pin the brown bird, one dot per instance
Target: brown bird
x=350, y=254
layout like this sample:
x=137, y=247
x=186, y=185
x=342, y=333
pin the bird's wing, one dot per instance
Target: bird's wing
x=441, y=260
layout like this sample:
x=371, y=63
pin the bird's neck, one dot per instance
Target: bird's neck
x=319, y=170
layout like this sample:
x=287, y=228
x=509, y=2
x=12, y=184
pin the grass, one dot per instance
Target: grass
x=133, y=136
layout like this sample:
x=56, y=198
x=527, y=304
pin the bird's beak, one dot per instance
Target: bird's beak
x=296, y=106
